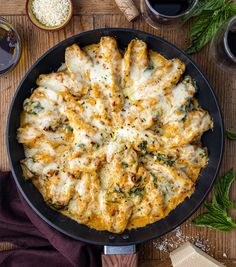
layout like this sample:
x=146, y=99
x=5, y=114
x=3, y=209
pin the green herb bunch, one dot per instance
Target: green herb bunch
x=209, y=16
x=216, y=217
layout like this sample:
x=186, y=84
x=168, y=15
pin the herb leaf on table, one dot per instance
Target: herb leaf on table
x=230, y=135
x=222, y=188
x=209, y=16
x=204, y=5
x=215, y=221
x=216, y=217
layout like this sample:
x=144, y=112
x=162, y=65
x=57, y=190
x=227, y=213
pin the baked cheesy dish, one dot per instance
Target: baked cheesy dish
x=112, y=139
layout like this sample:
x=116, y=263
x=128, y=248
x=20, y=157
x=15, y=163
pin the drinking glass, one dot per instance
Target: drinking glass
x=10, y=47
x=156, y=19
x=221, y=47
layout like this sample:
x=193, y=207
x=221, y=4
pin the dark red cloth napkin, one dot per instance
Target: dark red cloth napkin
x=38, y=244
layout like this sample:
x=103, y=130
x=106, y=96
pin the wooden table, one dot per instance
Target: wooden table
x=90, y=14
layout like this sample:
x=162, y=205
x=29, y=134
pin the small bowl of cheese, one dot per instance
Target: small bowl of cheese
x=50, y=15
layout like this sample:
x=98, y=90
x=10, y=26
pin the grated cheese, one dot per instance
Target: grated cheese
x=51, y=13
x=174, y=239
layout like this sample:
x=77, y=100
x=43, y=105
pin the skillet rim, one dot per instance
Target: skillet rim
x=154, y=235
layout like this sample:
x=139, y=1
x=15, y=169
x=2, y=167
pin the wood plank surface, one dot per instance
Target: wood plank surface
x=167, y=263
x=80, y=7
x=97, y=14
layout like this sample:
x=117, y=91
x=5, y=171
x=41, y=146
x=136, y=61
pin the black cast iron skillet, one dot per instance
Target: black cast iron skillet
x=213, y=140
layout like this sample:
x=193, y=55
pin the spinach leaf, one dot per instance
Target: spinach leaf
x=33, y=107
x=230, y=135
x=216, y=217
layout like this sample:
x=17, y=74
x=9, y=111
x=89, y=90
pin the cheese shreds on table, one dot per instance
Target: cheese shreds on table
x=112, y=140
x=51, y=13
x=177, y=237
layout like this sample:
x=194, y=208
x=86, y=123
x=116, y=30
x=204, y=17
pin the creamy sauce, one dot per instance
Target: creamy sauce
x=108, y=138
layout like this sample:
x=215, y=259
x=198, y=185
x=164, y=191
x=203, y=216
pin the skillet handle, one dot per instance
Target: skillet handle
x=120, y=260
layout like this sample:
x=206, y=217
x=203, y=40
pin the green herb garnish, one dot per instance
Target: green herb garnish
x=119, y=190
x=216, y=217
x=209, y=15
x=67, y=128
x=203, y=154
x=230, y=135
x=166, y=159
x=32, y=107
x=187, y=107
x=154, y=180
x=143, y=146
x=140, y=179
x=148, y=68
x=124, y=164
x=81, y=145
x=137, y=191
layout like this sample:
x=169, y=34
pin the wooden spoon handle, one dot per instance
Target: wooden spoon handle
x=120, y=260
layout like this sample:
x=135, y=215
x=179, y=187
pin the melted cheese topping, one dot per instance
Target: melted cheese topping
x=113, y=141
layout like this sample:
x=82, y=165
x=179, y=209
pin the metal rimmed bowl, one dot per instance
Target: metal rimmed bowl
x=213, y=140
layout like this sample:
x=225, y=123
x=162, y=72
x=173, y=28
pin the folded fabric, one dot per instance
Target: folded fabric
x=38, y=244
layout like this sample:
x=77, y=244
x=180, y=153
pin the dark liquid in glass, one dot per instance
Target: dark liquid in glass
x=8, y=53
x=170, y=7
x=232, y=42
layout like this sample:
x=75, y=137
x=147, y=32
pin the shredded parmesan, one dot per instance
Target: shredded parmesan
x=174, y=239
x=51, y=13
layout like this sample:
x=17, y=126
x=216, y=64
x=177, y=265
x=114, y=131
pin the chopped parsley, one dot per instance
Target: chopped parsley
x=154, y=179
x=166, y=159
x=137, y=191
x=143, y=146
x=81, y=145
x=140, y=179
x=124, y=164
x=119, y=190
